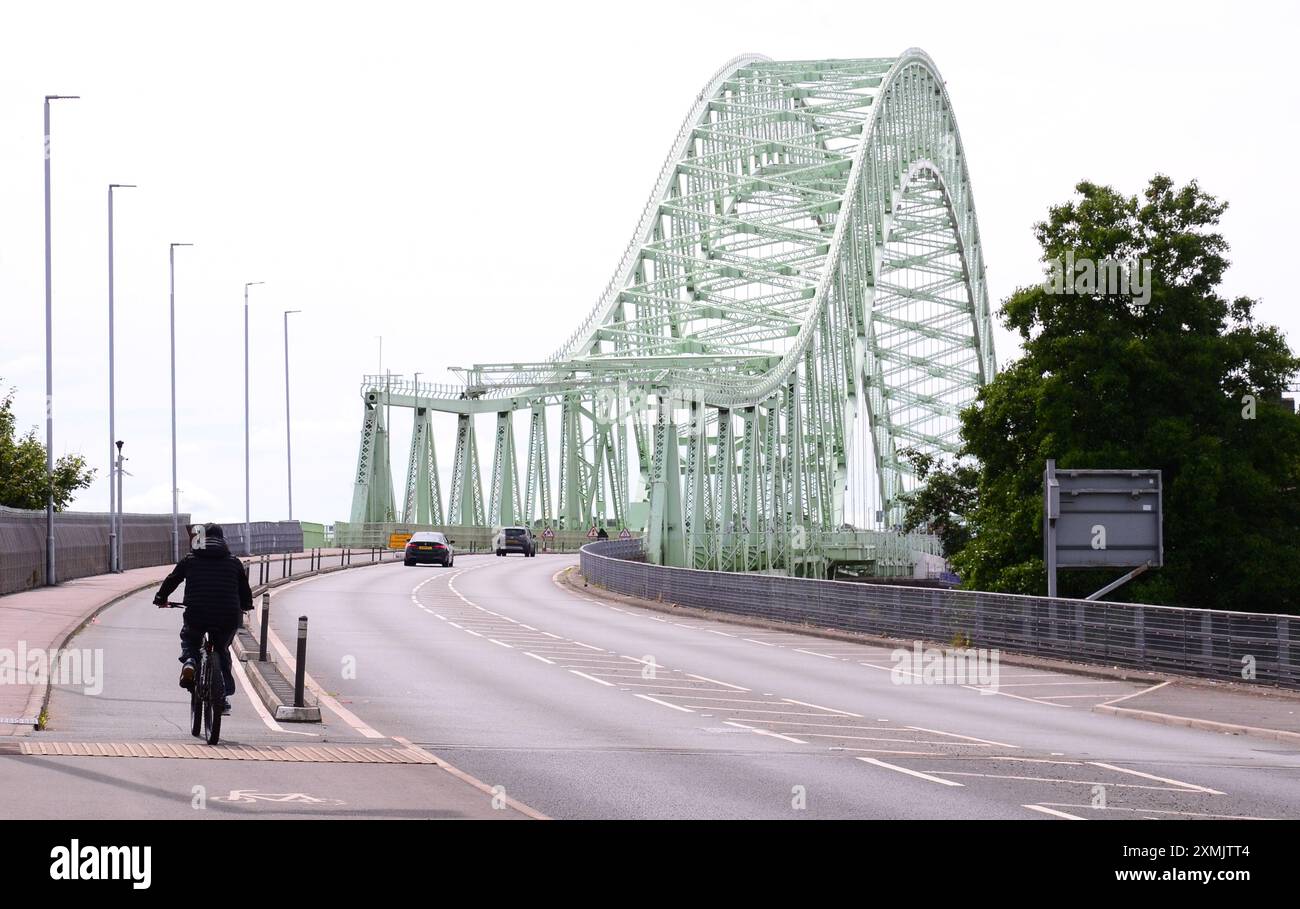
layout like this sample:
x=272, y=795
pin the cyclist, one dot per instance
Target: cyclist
x=216, y=596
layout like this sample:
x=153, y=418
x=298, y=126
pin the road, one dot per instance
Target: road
x=575, y=707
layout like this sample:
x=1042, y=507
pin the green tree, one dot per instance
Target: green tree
x=23, y=481
x=947, y=494
x=1106, y=382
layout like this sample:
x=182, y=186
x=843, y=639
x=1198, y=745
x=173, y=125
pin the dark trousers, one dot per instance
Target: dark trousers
x=192, y=644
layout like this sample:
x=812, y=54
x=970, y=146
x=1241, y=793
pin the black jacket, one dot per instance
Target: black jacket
x=216, y=587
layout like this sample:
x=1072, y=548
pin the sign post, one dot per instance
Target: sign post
x=1102, y=519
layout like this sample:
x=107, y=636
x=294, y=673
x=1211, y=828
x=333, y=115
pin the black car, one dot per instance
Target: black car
x=429, y=546
x=515, y=539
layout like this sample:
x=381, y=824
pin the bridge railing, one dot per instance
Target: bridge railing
x=469, y=539
x=80, y=544
x=1212, y=644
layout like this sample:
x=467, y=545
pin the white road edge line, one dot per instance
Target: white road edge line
x=474, y=781
x=705, y=678
x=1053, y=812
x=1136, y=693
x=969, y=738
x=915, y=773
x=1158, y=779
x=820, y=707
x=258, y=706
x=646, y=697
x=592, y=678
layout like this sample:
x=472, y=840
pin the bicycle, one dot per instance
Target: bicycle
x=208, y=693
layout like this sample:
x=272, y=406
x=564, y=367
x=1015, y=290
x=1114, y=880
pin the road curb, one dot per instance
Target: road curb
x=1169, y=719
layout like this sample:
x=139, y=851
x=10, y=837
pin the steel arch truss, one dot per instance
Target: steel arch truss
x=806, y=278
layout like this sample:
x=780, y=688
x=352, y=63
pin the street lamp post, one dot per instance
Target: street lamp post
x=114, y=552
x=248, y=509
x=49, y=358
x=171, y=311
x=288, y=431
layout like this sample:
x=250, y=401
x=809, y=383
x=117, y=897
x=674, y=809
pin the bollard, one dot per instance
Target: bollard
x=300, y=677
x=266, y=625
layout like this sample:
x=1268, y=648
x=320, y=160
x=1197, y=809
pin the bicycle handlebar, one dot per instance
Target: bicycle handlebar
x=171, y=605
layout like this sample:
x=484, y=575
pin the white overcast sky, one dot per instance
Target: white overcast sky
x=461, y=179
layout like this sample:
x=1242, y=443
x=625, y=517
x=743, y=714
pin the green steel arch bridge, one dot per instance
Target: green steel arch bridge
x=803, y=299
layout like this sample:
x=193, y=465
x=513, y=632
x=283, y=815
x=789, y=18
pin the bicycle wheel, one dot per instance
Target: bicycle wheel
x=215, y=696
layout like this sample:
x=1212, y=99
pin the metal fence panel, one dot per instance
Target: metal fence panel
x=80, y=544
x=1228, y=646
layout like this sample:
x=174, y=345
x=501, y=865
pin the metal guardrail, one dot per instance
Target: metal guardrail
x=1213, y=644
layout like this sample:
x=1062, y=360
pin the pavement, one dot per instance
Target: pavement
x=497, y=690
x=43, y=619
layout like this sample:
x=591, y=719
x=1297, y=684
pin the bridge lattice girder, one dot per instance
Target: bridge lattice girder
x=809, y=260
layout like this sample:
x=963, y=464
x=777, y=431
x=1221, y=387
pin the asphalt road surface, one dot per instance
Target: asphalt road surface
x=560, y=703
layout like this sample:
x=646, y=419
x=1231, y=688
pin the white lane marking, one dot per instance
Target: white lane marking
x=455, y=625
x=638, y=660
x=1053, y=812
x=757, y=731
x=705, y=678
x=820, y=707
x=1158, y=779
x=752, y=641
x=258, y=706
x=542, y=658
x=969, y=738
x=588, y=646
x=1018, y=697
x=550, y=635
x=1057, y=684
x=915, y=773
x=502, y=644
x=1225, y=817
x=824, y=656
x=723, y=633
x=898, y=669
x=885, y=751
x=1049, y=779
x=646, y=697
x=592, y=678
x=472, y=631
x=874, y=738
x=1136, y=693
x=529, y=627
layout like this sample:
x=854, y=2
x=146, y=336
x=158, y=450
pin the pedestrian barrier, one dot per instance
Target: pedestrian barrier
x=1212, y=644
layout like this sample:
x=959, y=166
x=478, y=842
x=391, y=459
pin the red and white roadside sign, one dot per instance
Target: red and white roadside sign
x=591, y=534
x=625, y=534
x=548, y=533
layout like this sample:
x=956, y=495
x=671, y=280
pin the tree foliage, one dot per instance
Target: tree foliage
x=1106, y=383
x=23, y=479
